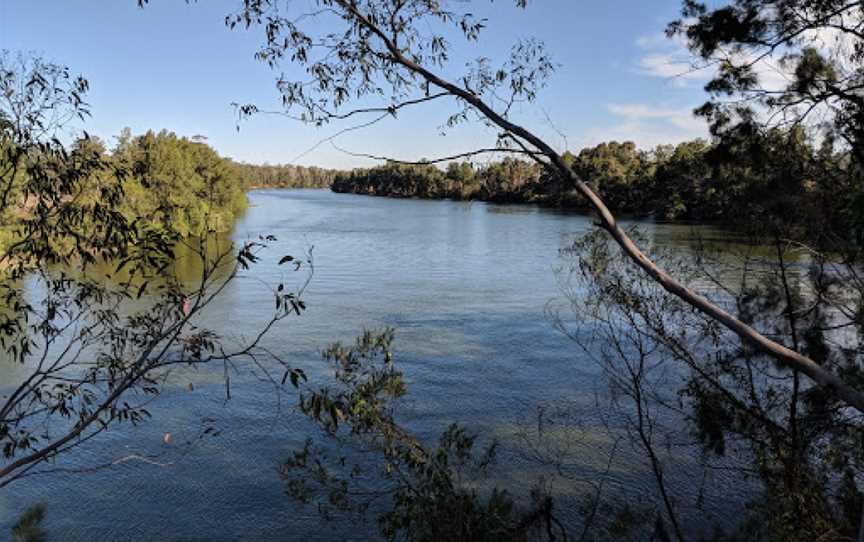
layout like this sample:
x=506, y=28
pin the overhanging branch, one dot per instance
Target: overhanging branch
x=438, y=160
x=784, y=355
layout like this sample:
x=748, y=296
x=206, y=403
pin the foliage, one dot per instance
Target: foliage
x=49, y=211
x=388, y=53
x=91, y=348
x=285, y=176
x=817, y=44
x=616, y=171
x=28, y=528
x=167, y=187
x=742, y=407
x=430, y=492
x=181, y=185
x=777, y=179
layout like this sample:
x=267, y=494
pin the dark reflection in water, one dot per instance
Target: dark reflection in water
x=465, y=285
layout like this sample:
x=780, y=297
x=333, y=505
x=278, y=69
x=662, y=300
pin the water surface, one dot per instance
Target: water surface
x=465, y=285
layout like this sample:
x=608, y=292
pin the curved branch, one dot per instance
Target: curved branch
x=433, y=160
x=786, y=356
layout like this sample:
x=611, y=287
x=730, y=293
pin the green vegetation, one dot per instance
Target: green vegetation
x=426, y=485
x=758, y=359
x=743, y=411
x=285, y=176
x=167, y=183
x=507, y=181
x=29, y=525
x=763, y=367
x=70, y=208
x=180, y=184
x=776, y=173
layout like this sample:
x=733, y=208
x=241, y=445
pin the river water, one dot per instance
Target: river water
x=466, y=287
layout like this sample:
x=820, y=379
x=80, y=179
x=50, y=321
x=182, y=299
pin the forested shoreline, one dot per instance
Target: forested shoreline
x=183, y=186
x=747, y=177
x=260, y=176
x=171, y=185
x=742, y=179
x=177, y=185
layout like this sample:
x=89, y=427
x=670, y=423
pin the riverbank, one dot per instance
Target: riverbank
x=778, y=182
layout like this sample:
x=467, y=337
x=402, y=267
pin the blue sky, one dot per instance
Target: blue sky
x=176, y=66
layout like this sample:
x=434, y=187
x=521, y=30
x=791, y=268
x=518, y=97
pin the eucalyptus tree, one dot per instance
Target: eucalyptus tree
x=364, y=58
x=680, y=383
x=83, y=351
x=782, y=62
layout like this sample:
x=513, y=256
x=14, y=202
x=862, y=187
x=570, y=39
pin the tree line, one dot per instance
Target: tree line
x=285, y=176
x=741, y=178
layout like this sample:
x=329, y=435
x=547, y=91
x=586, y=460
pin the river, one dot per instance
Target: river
x=466, y=287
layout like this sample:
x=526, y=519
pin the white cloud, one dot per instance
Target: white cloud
x=648, y=125
x=669, y=58
x=641, y=111
x=670, y=66
x=653, y=41
x=681, y=118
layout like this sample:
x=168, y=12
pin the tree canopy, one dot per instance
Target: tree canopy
x=817, y=45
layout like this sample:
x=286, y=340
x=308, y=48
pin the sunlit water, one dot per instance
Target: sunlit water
x=466, y=287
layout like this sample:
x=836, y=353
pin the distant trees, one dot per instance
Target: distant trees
x=510, y=180
x=615, y=170
x=285, y=176
x=769, y=176
x=680, y=177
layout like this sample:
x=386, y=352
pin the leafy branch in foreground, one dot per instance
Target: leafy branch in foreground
x=676, y=375
x=91, y=349
x=817, y=47
x=28, y=528
x=90, y=367
x=421, y=493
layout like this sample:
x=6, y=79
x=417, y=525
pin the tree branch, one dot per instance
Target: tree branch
x=786, y=356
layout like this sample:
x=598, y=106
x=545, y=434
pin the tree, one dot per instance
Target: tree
x=181, y=185
x=90, y=357
x=428, y=489
x=510, y=179
x=385, y=49
x=617, y=171
x=285, y=176
x=684, y=378
x=817, y=45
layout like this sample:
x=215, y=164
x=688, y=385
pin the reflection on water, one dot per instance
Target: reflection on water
x=465, y=286
x=187, y=264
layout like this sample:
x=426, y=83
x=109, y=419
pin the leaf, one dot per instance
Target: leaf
x=286, y=259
